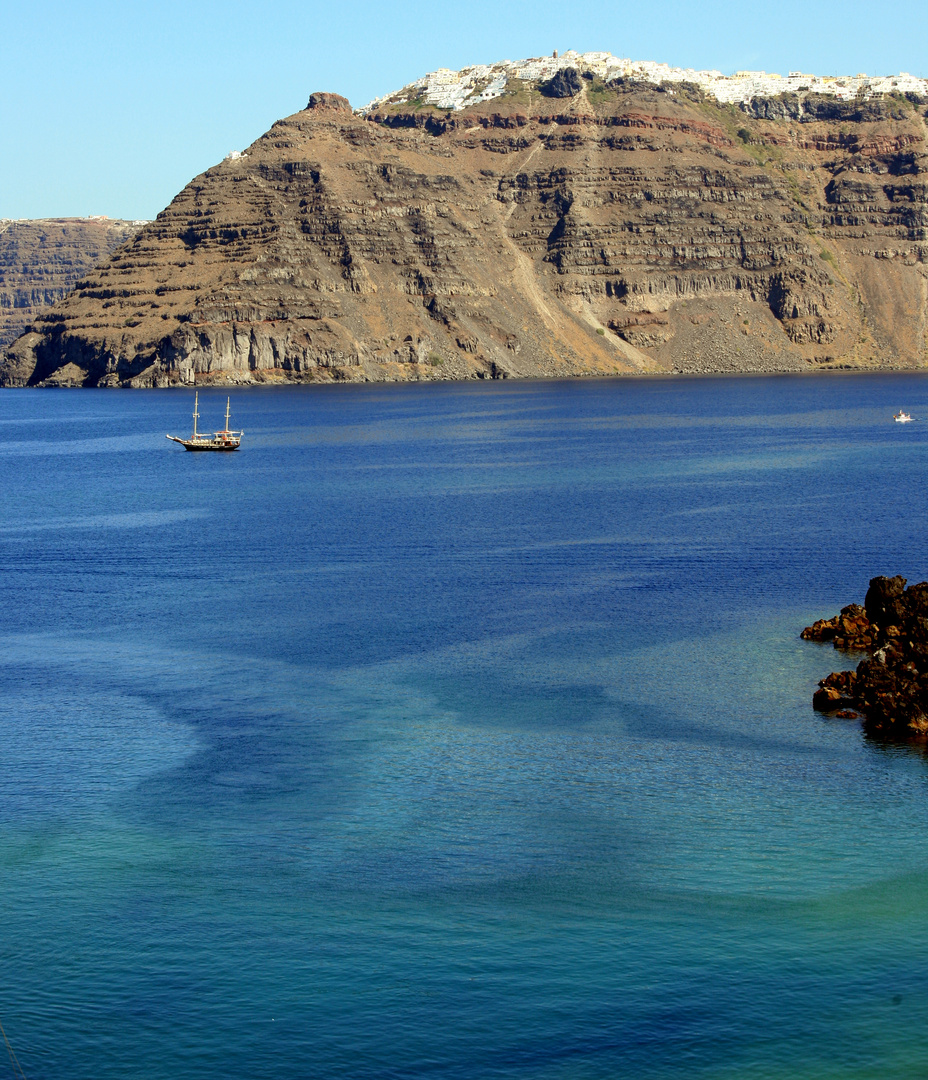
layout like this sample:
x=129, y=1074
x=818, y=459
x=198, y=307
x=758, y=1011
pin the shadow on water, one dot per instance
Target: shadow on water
x=456, y=731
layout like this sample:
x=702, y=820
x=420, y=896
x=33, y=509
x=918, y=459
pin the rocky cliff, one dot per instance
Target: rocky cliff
x=589, y=227
x=41, y=261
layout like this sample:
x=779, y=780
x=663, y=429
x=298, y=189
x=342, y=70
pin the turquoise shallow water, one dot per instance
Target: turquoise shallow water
x=456, y=731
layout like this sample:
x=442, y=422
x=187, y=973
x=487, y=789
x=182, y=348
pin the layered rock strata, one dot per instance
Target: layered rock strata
x=616, y=229
x=42, y=260
x=890, y=685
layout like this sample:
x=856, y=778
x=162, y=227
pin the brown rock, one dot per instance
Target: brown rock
x=826, y=698
x=42, y=260
x=842, y=681
x=506, y=236
x=820, y=630
x=849, y=630
x=322, y=100
x=882, y=598
x=890, y=686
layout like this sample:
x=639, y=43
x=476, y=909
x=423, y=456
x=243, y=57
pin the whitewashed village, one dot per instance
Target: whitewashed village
x=454, y=90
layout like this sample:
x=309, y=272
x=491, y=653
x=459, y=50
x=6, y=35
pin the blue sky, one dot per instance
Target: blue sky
x=110, y=108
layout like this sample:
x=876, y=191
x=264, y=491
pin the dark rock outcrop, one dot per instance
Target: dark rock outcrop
x=566, y=83
x=890, y=685
x=808, y=108
x=781, y=107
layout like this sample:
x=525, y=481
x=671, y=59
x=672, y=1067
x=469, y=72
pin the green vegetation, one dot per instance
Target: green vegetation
x=420, y=103
x=726, y=115
x=690, y=91
x=732, y=121
x=598, y=93
x=600, y=331
x=517, y=92
x=765, y=153
x=903, y=104
x=413, y=105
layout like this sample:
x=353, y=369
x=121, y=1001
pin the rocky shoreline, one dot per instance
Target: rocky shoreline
x=889, y=686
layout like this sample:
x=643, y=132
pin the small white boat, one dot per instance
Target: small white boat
x=902, y=418
x=219, y=440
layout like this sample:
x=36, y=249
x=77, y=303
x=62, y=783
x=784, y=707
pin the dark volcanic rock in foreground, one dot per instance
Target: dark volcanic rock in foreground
x=890, y=686
x=620, y=228
x=43, y=259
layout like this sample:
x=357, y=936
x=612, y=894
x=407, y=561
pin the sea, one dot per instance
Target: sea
x=456, y=731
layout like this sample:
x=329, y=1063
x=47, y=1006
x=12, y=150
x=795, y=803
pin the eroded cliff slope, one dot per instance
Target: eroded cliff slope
x=592, y=228
x=42, y=260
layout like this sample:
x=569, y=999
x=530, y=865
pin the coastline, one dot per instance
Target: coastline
x=283, y=380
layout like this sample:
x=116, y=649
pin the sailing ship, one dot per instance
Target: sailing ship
x=219, y=440
x=903, y=418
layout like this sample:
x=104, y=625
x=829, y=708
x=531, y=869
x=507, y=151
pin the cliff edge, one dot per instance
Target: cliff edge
x=574, y=225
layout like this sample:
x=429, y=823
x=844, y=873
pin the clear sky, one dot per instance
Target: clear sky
x=111, y=106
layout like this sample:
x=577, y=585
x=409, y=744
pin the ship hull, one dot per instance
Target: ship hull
x=221, y=449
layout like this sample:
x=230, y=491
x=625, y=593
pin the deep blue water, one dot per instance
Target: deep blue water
x=456, y=731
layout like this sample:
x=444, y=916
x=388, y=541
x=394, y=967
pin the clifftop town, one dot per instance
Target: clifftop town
x=579, y=218
x=483, y=82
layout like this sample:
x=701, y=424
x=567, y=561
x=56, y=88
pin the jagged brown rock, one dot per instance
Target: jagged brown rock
x=890, y=685
x=41, y=261
x=851, y=629
x=623, y=229
x=329, y=101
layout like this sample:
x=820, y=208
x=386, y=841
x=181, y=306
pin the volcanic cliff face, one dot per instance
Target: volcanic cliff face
x=612, y=227
x=42, y=260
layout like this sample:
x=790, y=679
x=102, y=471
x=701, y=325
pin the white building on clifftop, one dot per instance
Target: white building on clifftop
x=454, y=90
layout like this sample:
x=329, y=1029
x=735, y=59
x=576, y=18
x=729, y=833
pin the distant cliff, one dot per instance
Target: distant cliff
x=42, y=260
x=570, y=225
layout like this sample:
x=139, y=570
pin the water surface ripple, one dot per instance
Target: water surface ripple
x=456, y=731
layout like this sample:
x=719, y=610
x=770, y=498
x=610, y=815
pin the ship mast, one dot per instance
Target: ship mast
x=196, y=399
x=227, y=414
